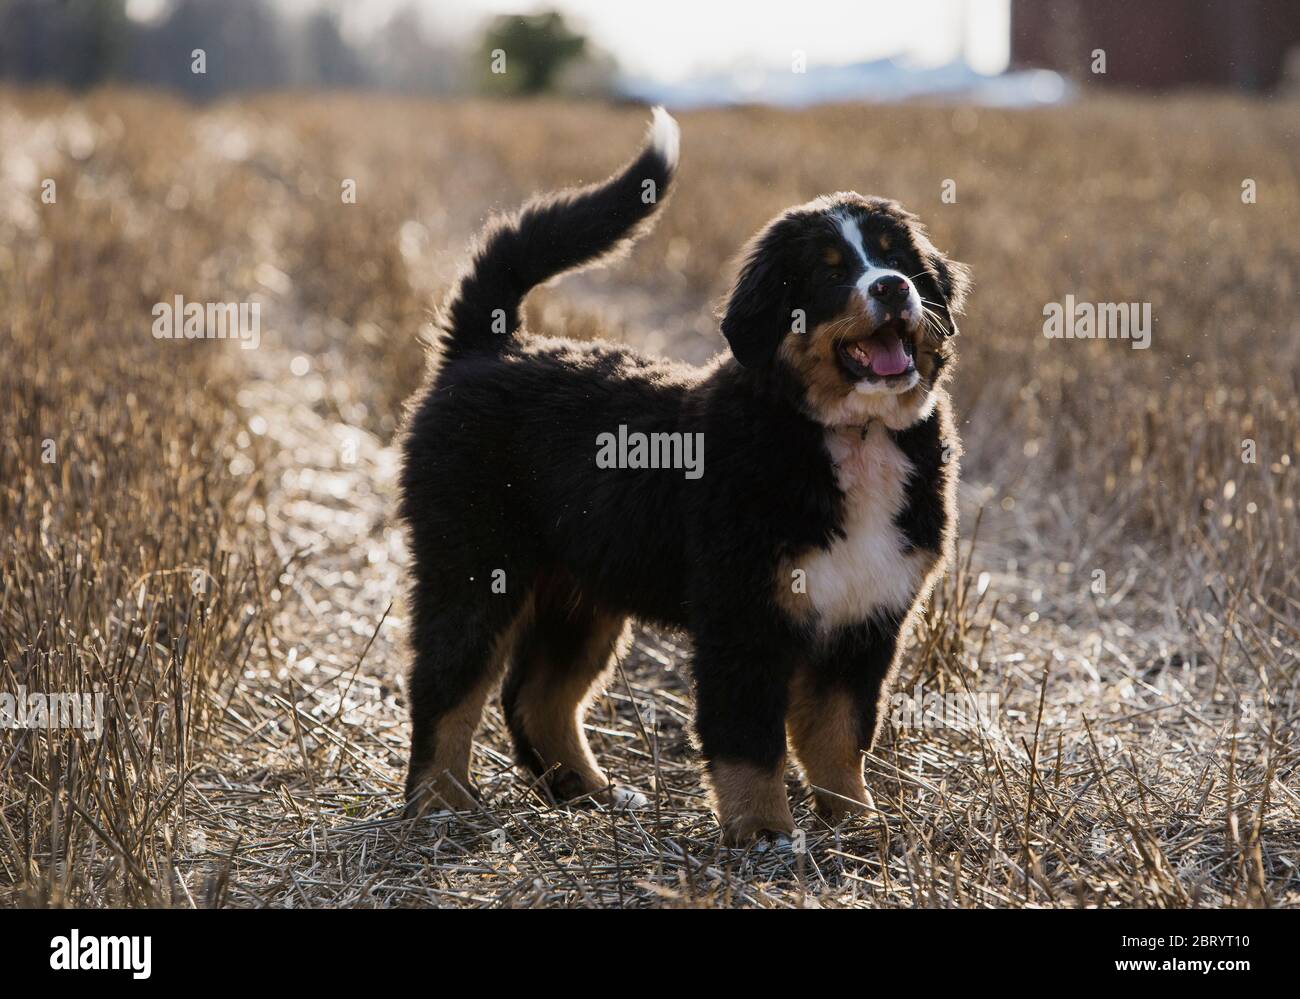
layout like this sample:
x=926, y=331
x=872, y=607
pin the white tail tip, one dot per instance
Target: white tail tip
x=666, y=137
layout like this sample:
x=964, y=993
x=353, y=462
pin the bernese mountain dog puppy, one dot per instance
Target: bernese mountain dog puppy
x=818, y=517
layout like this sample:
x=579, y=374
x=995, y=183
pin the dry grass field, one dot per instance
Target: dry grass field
x=209, y=539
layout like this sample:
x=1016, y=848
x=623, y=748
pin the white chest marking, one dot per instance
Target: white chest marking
x=869, y=570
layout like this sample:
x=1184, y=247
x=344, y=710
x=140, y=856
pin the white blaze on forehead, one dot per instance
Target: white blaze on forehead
x=852, y=234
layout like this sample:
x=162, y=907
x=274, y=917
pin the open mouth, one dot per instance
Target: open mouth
x=886, y=354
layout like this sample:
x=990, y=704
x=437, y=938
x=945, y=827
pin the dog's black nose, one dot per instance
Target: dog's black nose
x=889, y=289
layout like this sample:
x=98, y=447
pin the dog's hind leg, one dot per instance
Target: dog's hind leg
x=460, y=652
x=560, y=656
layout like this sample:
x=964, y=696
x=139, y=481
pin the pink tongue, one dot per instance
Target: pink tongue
x=887, y=355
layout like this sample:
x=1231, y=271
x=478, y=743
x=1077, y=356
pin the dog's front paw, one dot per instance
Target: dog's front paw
x=833, y=808
x=750, y=801
x=440, y=794
x=745, y=829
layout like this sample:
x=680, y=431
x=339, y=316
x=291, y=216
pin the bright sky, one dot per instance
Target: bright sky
x=671, y=39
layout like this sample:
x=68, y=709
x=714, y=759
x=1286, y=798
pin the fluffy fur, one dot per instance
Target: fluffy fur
x=822, y=518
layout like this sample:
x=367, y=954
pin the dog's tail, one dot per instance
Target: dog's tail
x=553, y=234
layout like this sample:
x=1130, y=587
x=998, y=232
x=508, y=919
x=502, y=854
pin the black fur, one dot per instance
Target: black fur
x=547, y=237
x=760, y=308
x=859, y=660
x=499, y=474
x=925, y=517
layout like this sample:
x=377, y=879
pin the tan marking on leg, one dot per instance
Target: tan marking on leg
x=554, y=698
x=750, y=801
x=824, y=733
x=445, y=782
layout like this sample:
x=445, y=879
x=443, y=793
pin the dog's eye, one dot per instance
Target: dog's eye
x=894, y=262
x=836, y=275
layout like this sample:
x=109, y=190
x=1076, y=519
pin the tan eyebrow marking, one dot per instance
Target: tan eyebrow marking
x=884, y=242
x=832, y=256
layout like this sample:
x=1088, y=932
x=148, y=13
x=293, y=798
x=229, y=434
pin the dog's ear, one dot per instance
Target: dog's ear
x=758, y=313
x=948, y=279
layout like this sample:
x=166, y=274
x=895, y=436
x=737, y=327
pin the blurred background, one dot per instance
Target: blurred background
x=683, y=54
x=207, y=532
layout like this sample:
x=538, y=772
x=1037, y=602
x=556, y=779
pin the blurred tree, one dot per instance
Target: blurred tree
x=330, y=61
x=78, y=42
x=247, y=45
x=241, y=40
x=403, y=57
x=535, y=47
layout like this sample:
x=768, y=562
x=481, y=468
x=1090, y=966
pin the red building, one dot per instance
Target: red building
x=1243, y=44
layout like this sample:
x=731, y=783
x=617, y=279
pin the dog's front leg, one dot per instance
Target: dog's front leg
x=741, y=691
x=836, y=701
